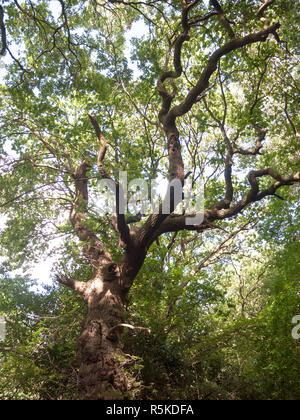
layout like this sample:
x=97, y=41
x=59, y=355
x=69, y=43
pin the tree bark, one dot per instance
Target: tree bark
x=101, y=373
x=100, y=376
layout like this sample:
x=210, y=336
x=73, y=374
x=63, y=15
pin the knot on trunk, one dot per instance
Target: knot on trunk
x=110, y=272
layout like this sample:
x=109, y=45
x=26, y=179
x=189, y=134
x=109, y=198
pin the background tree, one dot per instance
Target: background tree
x=73, y=112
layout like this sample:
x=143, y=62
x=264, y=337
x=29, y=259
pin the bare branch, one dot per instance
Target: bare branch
x=132, y=327
x=77, y=285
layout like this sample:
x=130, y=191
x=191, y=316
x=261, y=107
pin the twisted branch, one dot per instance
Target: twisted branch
x=222, y=19
x=121, y=225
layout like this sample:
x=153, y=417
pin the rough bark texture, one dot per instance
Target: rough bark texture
x=98, y=346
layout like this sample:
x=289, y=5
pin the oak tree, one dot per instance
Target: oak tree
x=212, y=96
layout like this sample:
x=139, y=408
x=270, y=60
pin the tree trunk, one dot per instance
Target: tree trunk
x=100, y=375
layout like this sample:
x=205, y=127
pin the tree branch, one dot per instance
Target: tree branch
x=122, y=228
x=76, y=285
x=264, y=7
x=132, y=327
x=288, y=116
x=225, y=203
x=103, y=147
x=222, y=19
x=94, y=249
x=3, y=32
x=175, y=223
x=210, y=68
x=259, y=143
x=167, y=116
x=176, y=73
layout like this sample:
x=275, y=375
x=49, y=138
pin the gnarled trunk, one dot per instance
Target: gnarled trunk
x=101, y=373
x=98, y=351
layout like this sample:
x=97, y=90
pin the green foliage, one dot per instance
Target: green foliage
x=229, y=339
x=38, y=354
